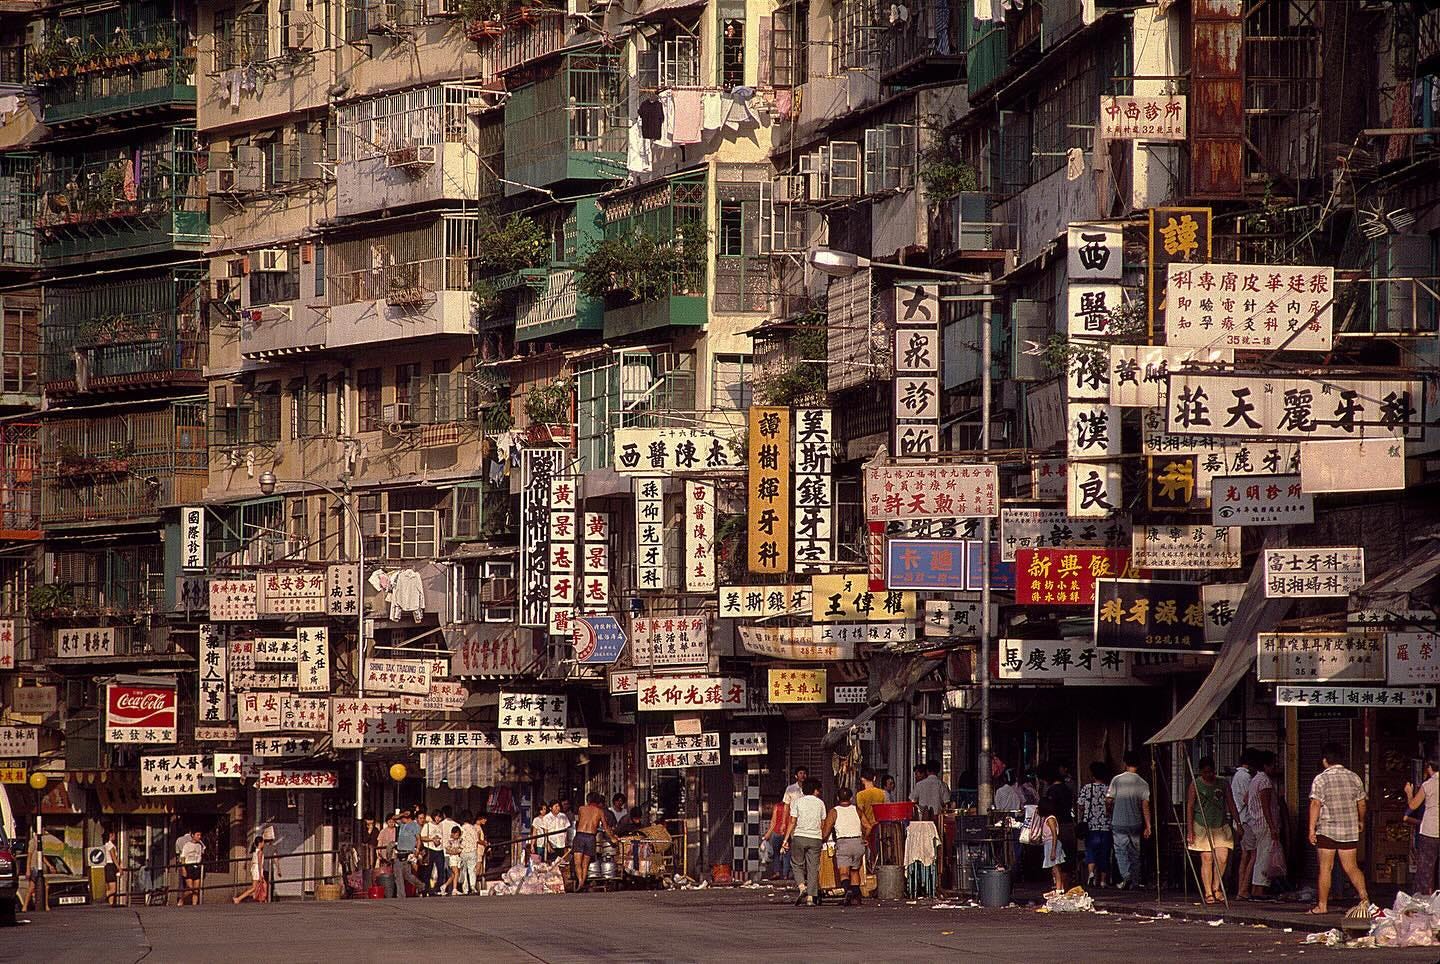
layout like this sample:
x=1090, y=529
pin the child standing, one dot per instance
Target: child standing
x=453, y=850
x=1050, y=843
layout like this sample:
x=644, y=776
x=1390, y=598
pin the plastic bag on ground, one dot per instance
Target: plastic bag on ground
x=1074, y=900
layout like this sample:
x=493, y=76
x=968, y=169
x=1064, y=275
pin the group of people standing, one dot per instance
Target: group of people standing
x=435, y=854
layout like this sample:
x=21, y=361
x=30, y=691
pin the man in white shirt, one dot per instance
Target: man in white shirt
x=434, y=845
x=796, y=790
x=192, y=853
x=447, y=824
x=1239, y=790
x=803, y=841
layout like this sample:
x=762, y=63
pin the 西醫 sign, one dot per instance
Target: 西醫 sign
x=140, y=714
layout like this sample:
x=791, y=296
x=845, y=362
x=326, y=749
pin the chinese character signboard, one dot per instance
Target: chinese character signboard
x=1094, y=252
x=621, y=681
x=214, y=692
x=1319, y=658
x=19, y=741
x=916, y=344
x=1418, y=697
x=1311, y=572
x=1053, y=529
x=1411, y=659
x=1089, y=307
x=1176, y=235
x=288, y=779
x=367, y=723
x=1247, y=501
x=1089, y=375
x=1150, y=616
x=397, y=676
x=794, y=643
x=797, y=686
x=1047, y=479
x=229, y=765
x=234, y=600
x=1256, y=307
x=1094, y=430
x=649, y=532
x=598, y=639
x=260, y=712
x=342, y=589
x=310, y=713
x=1149, y=118
x=192, y=537
x=493, y=650
x=1186, y=547
x=669, y=743
x=572, y=738
x=814, y=492
x=897, y=492
x=691, y=693
x=664, y=451
x=669, y=640
x=878, y=633
x=699, y=531
x=1352, y=465
x=1222, y=602
x=7, y=644
x=563, y=556
x=312, y=660
x=1064, y=577
x=453, y=740
x=283, y=746
x=1292, y=409
x=1138, y=373
x=749, y=744
x=532, y=711
x=537, y=467
x=140, y=714
x=595, y=545
x=1069, y=662
x=287, y=593
x=847, y=598
x=1092, y=489
x=747, y=602
x=927, y=564
x=84, y=642
x=769, y=490
x=163, y=776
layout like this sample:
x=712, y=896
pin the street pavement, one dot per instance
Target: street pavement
x=668, y=926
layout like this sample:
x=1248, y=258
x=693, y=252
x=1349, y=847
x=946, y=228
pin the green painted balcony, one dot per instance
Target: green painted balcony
x=566, y=120
x=136, y=71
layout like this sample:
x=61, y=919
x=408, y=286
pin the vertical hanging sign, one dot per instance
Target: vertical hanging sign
x=650, y=532
x=192, y=537
x=917, y=370
x=814, y=493
x=769, y=502
x=700, y=536
x=564, y=554
x=537, y=467
x=214, y=677
x=312, y=659
x=1176, y=235
x=595, y=593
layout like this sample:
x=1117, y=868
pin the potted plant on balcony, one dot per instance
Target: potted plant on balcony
x=945, y=175
x=637, y=267
x=404, y=289
x=483, y=18
x=520, y=247
x=49, y=600
x=547, y=407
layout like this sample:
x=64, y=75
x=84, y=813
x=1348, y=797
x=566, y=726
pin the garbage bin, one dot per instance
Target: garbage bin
x=890, y=882
x=387, y=884
x=994, y=887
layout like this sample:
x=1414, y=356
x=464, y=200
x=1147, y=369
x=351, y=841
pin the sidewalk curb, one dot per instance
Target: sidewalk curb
x=1233, y=916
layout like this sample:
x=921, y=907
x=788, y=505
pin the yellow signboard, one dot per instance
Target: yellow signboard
x=797, y=686
x=769, y=485
x=847, y=598
x=11, y=772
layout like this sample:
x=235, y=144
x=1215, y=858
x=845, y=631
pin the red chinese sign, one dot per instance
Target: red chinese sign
x=930, y=491
x=1064, y=577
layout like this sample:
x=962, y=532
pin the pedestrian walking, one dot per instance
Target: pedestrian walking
x=851, y=826
x=1239, y=792
x=433, y=843
x=192, y=854
x=407, y=848
x=1062, y=803
x=1052, y=847
x=454, y=848
x=1127, y=802
x=1427, y=839
x=1209, y=809
x=1262, y=812
x=803, y=834
x=112, y=869
x=471, y=836
x=1337, y=818
x=35, y=871
x=258, y=889
x=1095, y=819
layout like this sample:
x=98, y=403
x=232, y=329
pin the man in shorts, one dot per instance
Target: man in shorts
x=588, y=822
x=1337, y=818
x=850, y=826
x=192, y=852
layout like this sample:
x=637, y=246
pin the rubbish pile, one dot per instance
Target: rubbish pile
x=533, y=877
x=1412, y=921
x=1072, y=901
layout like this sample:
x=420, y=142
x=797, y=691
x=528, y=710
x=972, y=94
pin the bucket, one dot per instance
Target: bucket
x=994, y=887
x=890, y=883
x=386, y=883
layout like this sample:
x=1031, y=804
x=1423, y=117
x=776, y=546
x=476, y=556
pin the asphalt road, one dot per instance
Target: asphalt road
x=666, y=926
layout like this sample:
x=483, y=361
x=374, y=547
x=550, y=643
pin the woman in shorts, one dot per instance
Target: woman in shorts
x=850, y=827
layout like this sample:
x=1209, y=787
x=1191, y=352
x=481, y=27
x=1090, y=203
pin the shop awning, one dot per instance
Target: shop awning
x=1398, y=582
x=463, y=769
x=1254, y=614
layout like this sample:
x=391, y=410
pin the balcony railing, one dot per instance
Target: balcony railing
x=568, y=125
x=19, y=463
x=136, y=70
x=928, y=44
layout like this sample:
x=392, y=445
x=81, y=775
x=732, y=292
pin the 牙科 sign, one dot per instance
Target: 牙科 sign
x=532, y=711
x=1186, y=547
x=1414, y=697
x=1069, y=662
x=677, y=759
x=1252, y=306
x=1150, y=616
x=1250, y=501
x=1319, y=658
x=768, y=485
x=749, y=602
x=1293, y=409
x=797, y=686
x=266, y=746
x=664, y=451
x=878, y=633
x=1311, y=572
x=691, y=693
x=894, y=492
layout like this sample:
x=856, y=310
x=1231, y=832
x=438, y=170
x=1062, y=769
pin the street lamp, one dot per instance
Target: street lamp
x=268, y=482
x=842, y=264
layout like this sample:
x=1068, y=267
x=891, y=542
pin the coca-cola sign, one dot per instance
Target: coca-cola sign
x=140, y=714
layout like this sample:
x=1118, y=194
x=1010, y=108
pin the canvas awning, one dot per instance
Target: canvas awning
x=1254, y=614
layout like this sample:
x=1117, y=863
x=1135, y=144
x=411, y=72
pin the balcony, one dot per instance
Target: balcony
x=19, y=455
x=556, y=309
x=123, y=467
x=140, y=198
x=419, y=146
x=131, y=334
x=139, y=71
x=927, y=46
x=411, y=283
x=986, y=56
x=568, y=124
x=289, y=328
x=17, y=211
x=671, y=214
x=964, y=226
x=681, y=311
